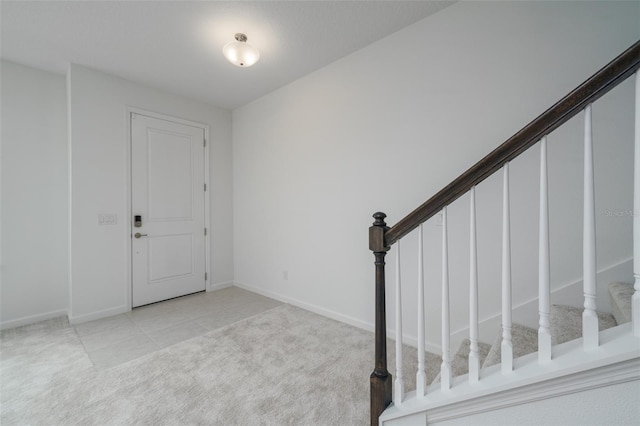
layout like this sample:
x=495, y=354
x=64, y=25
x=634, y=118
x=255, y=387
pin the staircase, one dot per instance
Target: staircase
x=573, y=350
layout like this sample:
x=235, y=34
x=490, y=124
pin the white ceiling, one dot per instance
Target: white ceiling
x=177, y=45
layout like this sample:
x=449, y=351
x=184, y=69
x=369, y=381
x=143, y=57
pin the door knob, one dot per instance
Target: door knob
x=138, y=235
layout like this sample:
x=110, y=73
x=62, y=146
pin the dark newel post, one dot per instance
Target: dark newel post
x=380, y=378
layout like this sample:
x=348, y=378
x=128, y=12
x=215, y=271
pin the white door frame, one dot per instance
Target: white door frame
x=207, y=239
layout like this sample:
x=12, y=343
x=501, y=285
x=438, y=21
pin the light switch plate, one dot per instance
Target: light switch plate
x=107, y=219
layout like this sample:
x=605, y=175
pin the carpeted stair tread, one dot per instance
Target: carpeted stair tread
x=566, y=323
x=524, y=340
x=460, y=360
x=621, y=294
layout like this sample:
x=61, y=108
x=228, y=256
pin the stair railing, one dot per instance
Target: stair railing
x=382, y=237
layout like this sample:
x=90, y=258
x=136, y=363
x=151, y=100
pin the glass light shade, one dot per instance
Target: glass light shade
x=241, y=54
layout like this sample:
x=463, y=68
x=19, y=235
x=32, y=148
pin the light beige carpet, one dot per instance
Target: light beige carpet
x=285, y=366
x=32, y=359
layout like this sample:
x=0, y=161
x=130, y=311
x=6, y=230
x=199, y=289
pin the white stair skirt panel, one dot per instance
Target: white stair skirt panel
x=576, y=408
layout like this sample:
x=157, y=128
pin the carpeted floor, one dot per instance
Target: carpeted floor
x=286, y=366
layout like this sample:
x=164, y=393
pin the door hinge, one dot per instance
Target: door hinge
x=205, y=231
x=205, y=276
x=205, y=187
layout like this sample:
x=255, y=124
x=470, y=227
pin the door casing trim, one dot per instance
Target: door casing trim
x=128, y=202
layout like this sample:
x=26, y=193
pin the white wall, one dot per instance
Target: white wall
x=34, y=195
x=99, y=159
x=388, y=126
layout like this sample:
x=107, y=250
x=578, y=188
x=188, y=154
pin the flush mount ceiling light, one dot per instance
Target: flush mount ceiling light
x=240, y=53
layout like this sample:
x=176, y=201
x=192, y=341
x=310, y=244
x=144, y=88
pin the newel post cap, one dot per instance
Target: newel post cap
x=376, y=233
x=379, y=219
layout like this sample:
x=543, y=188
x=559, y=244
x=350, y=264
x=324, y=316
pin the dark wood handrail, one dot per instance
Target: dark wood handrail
x=598, y=85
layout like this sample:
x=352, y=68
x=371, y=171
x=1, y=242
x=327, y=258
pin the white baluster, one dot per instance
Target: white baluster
x=506, y=348
x=589, y=316
x=474, y=357
x=399, y=383
x=421, y=378
x=445, y=369
x=544, y=276
x=635, y=302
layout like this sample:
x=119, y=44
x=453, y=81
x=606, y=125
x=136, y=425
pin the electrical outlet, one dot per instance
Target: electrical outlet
x=285, y=275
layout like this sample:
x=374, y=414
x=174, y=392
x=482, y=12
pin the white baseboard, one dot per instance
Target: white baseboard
x=408, y=340
x=18, y=322
x=86, y=317
x=98, y=315
x=308, y=306
x=413, y=342
x=219, y=286
x=525, y=313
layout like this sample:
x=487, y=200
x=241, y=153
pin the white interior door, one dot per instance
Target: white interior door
x=167, y=192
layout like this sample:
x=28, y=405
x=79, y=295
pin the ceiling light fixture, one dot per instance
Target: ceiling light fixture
x=240, y=53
